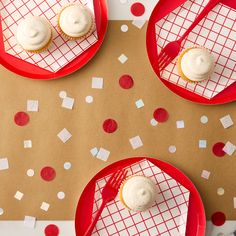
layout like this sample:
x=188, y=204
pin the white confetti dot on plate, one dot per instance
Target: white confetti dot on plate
x=61, y=195
x=1, y=211
x=89, y=99
x=220, y=191
x=172, y=149
x=204, y=119
x=62, y=94
x=153, y=122
x=124, y=28
x=67, y=165
x=30, y=172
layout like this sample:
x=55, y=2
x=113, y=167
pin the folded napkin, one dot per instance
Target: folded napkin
x=62, y=51
x=168, y=216
x=217, y=32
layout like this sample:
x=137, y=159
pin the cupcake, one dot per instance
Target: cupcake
x=138, y=193
x=34, y=34
x=76, y=22
x=195, y=64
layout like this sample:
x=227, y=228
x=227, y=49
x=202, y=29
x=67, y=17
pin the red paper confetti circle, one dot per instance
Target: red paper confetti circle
x=218, y=218
x=126, y=82
x=48, y=173
x=51, y=230
x=161, y=115
x=217, y=149
x=137, y=9
x=110, y=126
x=21, y=118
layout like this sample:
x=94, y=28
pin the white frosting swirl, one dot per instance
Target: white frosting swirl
x=75, y=20
x=33, y=33
x=197, y=64
x=139, y=193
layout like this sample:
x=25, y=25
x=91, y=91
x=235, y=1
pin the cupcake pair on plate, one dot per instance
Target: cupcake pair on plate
x=34, y=33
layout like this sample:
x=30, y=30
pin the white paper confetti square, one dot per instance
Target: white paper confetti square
x=139, y=23
x=122, y=58
x=103, y=154
x=29, y=221
x=4, y=165
x=229, y=148
x=68, y=103
x=94, y=151
x=180, y=124
x=136, y=142
x=18, y=195
x=202, y=143
x=226, y=121
x=205, y=174
x=44, y=206
x=139, y=103
x=216, y=32
x=171, y=206
x=62, y=51
x=64, y=135
x=27, y=144
x=97, y=83
x=33, y=105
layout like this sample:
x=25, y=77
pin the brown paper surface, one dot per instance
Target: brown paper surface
x=85, y=123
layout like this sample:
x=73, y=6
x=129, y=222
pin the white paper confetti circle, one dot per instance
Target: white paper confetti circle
x=61, y=195
x=172, y=149
x=62, y=94
x=30, y=172
x=153, y=122
x=220, y=191
x=67, y=165
x=204, y=119
x=89, y=99
x=1, y=211
x=124, y=28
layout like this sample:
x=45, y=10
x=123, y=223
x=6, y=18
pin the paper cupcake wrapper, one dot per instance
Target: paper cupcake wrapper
x=61, y=51
x=168, y=214
x=216, y=32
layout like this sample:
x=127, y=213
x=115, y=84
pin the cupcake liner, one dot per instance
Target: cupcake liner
x=81, y=37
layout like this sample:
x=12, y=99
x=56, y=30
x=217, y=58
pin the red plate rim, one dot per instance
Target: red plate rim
x=196, y=215
x=163, y=8
x=34, y=72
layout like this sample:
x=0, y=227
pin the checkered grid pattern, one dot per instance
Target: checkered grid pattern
x=167, y=217
x=217, y=32
x=61, y=51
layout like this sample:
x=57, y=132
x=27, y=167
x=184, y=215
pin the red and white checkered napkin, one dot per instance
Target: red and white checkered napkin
x=61, y=51
x=217, y=32
x=168, y=216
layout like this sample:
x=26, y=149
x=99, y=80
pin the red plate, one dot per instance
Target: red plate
x=196, y=214
x=29, y=70
x=163, y=8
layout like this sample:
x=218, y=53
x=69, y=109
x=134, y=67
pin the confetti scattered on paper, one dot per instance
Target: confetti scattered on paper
x=67, y=165
x=172, y=149
x=61, y=195
x=97, y=83
x=94, y=151
x=161, y=115
x=137, y=9
x=220, y=191
x=21, y=118
x=68, y=103
x=180, y=124
x=139, y=103
x=103, y=154
x=218, y=218
x=124, y=28
x=64, y=135
x=229, y=148
x=4, y=165
x=33, y=105
x=110, y=125
x=126, y=81
x=27, y=144
x=51, y=230
x=122, y=58
x=202, y=143
x=153, y=122
x=217, y=149
x=89, y=99
x=139, y=23
x=204, y=119
x=44, y=206
x=205, y=174
x=18, y=195
x=226, y=121
x=62, y=94
x=30, y=172
x=29, y=221
x=1, y=211
x=136, y=142
x=48, y=173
